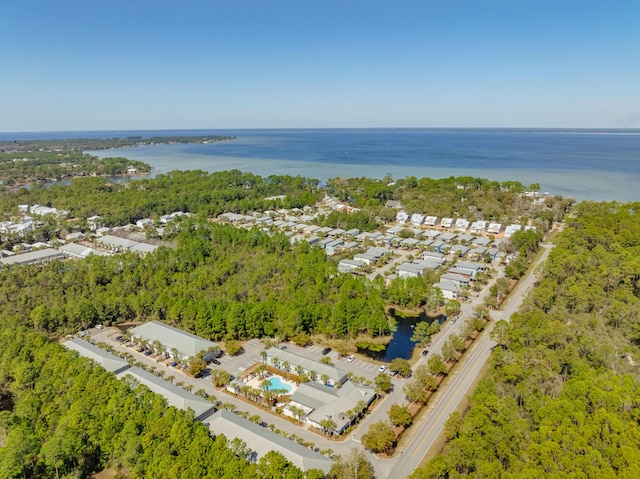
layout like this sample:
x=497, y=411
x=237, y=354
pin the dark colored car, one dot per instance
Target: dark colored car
x=326, y=351
x=425, y=352
x=216, y=362
x=148, y=352
x=119, y=338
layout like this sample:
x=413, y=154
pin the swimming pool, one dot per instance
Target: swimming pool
x=276, y=383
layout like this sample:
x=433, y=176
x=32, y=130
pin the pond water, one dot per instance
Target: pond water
x=401, y=345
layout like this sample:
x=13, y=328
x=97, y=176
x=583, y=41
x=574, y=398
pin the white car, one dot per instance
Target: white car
x=351, y=358
x=382, y=369
x=99, y=326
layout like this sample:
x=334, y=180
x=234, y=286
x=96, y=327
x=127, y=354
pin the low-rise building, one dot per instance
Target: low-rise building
x=174, y=341
x=262, y=440
x=349, y=265
x=32, y=257
x=338, y=404
x=315, y=370
x=174, y=395
x=108, y=361
x=449, y=290
x=76, y=251
x=446, y=223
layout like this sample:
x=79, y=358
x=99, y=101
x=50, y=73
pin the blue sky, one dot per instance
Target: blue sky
x=111, y=64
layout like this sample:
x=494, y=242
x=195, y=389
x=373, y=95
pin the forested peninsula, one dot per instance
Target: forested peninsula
x=37, y=161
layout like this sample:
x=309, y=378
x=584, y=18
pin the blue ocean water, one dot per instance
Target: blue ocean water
x=585, y=164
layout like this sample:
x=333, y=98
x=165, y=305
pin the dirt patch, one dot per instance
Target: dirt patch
x=105, y=474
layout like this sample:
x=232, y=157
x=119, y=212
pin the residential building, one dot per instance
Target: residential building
x=478, y=226
x=278, y=357
x=262, y=440
x=174, y=395
x=461, y=224
x=338, y=404
x=76, y=251
x=449, y=290
x=32, y=257
x=108, y=361
x=446, y=223
x=174, y=341
x=494, y=228
x=349, y=265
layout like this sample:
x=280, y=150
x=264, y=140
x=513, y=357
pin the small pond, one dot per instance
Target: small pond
x=401, y=345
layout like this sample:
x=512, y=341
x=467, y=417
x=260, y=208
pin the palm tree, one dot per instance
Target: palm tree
x=328, y=426
x=264, y=356
x=324, y=378
x=299, y=370
x=297, y=411
x=261, y=369
x=170, y=379
x=276, y=362
x=313, y=375
x=286, y=365
x=361, y=407
x=264, y=384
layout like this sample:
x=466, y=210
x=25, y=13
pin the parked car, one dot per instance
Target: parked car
x=351, y=358
x=99, y=326
x=326, y=351
x=119, y=338
x=216, y=362
x=174, y=364
x=148, y=352
x=382, y=369
x=425, y=352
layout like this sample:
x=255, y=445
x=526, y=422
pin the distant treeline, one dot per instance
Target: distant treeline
x=82, y=144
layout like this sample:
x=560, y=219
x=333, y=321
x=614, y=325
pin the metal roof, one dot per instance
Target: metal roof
x=175, y=395
x=187, y=344
x=261, y=440
x=108, y=361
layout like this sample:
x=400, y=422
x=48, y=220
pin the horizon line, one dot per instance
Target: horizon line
x=433, y=128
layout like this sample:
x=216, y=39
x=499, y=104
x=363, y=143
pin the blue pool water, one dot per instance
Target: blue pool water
x=276, y=383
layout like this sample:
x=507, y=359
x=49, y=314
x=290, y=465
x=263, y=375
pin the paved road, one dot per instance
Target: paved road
x=458, y=385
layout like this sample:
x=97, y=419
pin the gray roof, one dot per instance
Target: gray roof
x=144, y=248
x=472, y=265
x=261, y=440
x=447, y=286
x=116, y=241
x=187, y=344
x=108, y=361
x=78, y=251
x=482, y=241
x=456, y=278
x=33, y=257
x=332, y=402
x=447, y=236
x=175, y=395
x=309, y=364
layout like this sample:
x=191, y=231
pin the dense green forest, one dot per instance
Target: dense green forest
x=220, y=282
x=562, y=397
x=61, y=416
x=201, y=193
